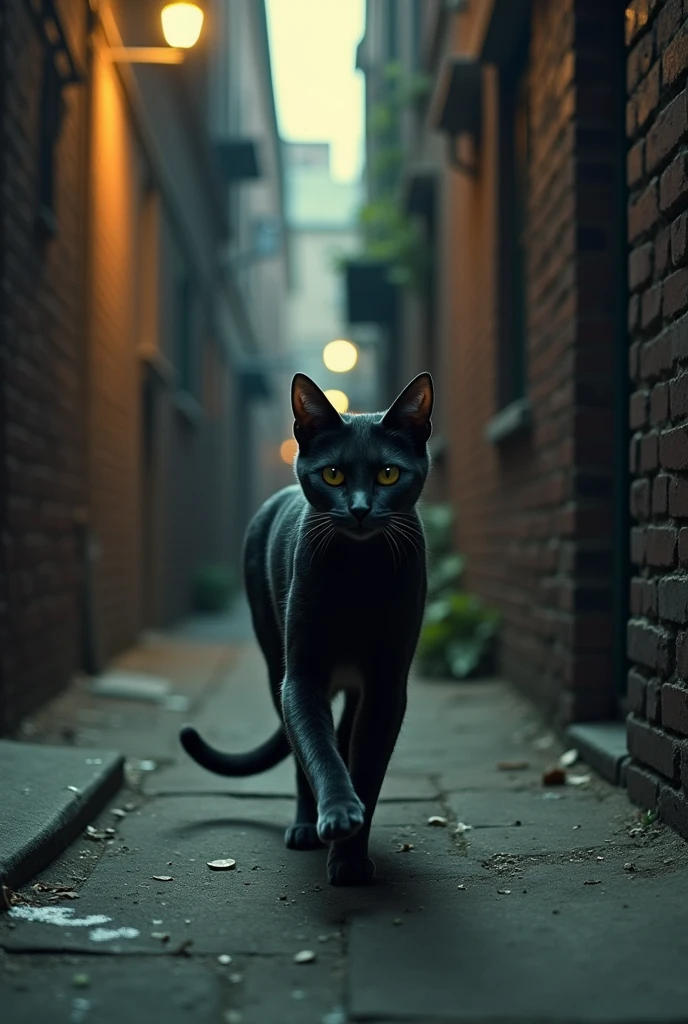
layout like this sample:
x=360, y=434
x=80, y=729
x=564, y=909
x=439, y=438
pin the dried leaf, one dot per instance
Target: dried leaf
x=163, y=878
x=554, y=777
x=437, y=821
x=223, y=864
x=306, y=956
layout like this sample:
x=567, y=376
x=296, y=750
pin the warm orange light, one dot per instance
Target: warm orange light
x=338, y=399
x=288, y=450
x=182, y=24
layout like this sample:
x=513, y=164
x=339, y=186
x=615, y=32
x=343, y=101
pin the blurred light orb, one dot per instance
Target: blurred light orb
x=181, y=24
x=288, y=450
x=338, y=399
x=340, y=355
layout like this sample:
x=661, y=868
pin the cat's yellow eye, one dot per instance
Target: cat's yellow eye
x=388, y=475
x=333, y=476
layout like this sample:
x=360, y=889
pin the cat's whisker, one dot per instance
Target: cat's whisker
x=391, y=540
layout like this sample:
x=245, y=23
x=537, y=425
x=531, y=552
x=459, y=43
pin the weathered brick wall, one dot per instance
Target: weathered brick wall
x=535, y=513
x=41, y=400
x=657, y=126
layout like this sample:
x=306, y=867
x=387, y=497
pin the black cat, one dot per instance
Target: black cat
x=335, y=572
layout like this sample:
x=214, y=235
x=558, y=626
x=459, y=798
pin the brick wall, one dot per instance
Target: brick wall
x=41, y=347
x=536, y=511
x=657, y=127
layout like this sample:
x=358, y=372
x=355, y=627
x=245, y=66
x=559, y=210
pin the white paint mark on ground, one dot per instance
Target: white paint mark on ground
x=109, y=934
x=63, y=917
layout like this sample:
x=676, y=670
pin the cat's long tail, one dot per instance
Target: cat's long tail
x=266, y=756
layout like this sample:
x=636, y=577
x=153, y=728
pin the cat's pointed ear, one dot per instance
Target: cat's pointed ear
x=412, y=410
x=312, y=409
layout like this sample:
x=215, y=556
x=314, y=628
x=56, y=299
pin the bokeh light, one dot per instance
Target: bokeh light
x=338, y=399
x=340, y=355
x=181, y=24
x=288, y=450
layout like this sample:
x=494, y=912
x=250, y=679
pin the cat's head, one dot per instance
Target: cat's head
x=362, y=470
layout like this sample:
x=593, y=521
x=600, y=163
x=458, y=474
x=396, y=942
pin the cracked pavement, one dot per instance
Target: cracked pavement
x=539, y=911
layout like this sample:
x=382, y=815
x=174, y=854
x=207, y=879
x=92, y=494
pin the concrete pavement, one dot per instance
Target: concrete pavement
x=539, y=910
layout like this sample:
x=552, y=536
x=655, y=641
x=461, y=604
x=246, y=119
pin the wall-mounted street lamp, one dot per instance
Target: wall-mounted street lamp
x=182, y=23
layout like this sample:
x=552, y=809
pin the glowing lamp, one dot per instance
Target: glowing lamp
x=340, y=356
x=338, y=399
x=181, y=24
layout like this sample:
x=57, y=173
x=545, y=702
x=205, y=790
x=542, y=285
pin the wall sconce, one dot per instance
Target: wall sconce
x=182, y=22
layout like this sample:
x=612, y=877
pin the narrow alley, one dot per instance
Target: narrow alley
x=497, y=898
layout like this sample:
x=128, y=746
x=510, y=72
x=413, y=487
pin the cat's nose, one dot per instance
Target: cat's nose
x=360, y=511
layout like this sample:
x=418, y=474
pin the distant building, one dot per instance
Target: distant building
x=322, y=216
x=143, y=269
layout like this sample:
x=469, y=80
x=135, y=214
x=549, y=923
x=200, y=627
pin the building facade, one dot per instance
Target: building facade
x=128, y=324
x=549, y=153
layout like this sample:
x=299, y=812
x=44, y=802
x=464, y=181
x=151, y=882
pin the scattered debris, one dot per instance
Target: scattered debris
x=282, y=897
x=578, y=780
x=184, y=948
x=163, y=878
x=629, y=866
x=118, y=812
x=224, y=959
x=163, y=936
x=504, y=892
x=513, y=766
x=112, y=934
x=223, y=864
x=551, y=796
x=73, y=789
x=437, y=821
x=599, y=858
x=129, y=807
x=568, y=759
x=11, y=898
x=97, y=835
x=81, y=981
x=544, y=742
x=462, y=827
x=306, y=956
x=554, y=777
x=462, y=887
x=592, y=881
x=405, y=848
x=397, y=921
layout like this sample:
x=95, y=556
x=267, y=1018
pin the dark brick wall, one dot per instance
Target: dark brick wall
x=657, y=127
x=41, y=347
x=536, y=512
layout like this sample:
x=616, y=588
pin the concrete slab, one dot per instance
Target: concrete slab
x=550, y=821
x=552, y=949
x=238, y=911
x=49, y=795
x=87, y=989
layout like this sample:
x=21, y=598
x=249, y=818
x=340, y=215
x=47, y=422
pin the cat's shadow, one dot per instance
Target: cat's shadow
x=400, y=886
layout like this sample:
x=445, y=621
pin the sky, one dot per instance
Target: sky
x=318, y=91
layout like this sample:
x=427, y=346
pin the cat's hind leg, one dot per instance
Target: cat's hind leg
x=303, y=834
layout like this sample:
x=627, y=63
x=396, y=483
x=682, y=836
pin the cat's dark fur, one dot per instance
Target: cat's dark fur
x=336, y=580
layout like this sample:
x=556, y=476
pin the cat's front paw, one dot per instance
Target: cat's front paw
x=302, y=837
x=358, y=871
x=340, y=820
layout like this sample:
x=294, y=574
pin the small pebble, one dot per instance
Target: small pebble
x=224, y=959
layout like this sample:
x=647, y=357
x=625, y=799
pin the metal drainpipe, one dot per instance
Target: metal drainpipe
x=92, y=660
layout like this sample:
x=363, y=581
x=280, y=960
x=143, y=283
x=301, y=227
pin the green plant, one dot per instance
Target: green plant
x=213, y=587
x=459, y=630
x=389, y=235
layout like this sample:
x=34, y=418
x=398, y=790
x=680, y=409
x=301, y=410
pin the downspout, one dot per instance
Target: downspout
x=91, y=650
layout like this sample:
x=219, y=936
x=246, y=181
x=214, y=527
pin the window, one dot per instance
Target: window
x=513, y=208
